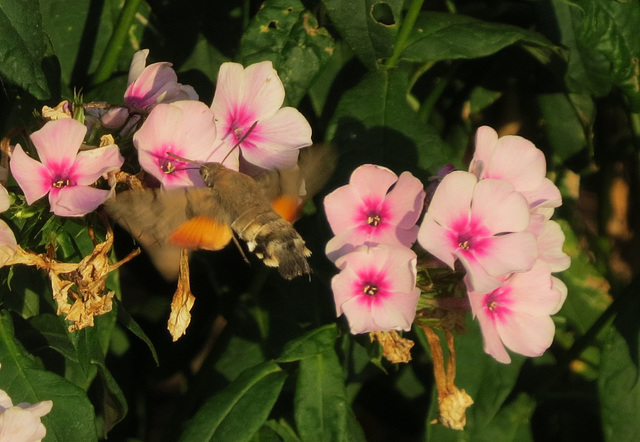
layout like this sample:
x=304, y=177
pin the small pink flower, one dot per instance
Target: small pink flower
x=153, y=84
x=64, y=173
x=376, y=288
x=254, y=95
x=366, y=212
x=517, y=314
x=8, y=242
x=518, y=161
x=186, y=129
x=21, y=423
x=550, y=239
x=481, y=223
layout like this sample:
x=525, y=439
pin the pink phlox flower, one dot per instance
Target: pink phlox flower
x=21, y=423
x=481, y=223
x=153, y=84
x=63, y=172
x=516, y=315
x=550, y=239
x=248, y=107
x=186, y=129
x=8, y=243
x=518, y=161
x=366, y=212
x=376, y=288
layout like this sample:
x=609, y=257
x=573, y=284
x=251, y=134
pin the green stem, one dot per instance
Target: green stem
x=405, y=32
x=111, y=54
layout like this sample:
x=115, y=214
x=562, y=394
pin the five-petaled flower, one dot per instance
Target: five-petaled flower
x=517, y=314
x=248, y=109
x=21, y=423
x=481, y=223
x=186, y=129
x=376, y=288
x=63, y=172
x=366, y=212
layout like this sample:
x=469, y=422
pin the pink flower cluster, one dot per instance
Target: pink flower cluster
x=246, y=113
x=494, y=220
x=375, y=228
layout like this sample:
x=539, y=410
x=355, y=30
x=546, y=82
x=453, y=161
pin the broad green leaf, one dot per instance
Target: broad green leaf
x=487, y=381
x=375, y=124
x=125, y=319
x=312, y=343
x=322, y=411
x=284, y=32
x=370, y=27
x=618, y=383
x=23, y=46
x=237, y=412
x=439, y=36
x=283, y=430
x=605, y=49
x=72, y=415
x=113, y=402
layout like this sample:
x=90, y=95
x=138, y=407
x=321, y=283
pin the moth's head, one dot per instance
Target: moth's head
x=208, y=172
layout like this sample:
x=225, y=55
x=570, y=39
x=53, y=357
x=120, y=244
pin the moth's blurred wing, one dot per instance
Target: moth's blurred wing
x=152, y=215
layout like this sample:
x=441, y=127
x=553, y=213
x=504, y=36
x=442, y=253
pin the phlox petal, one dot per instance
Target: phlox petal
x=438, y=240
x=451, y=202
x=76, y=200
x=149, y=88
x=280, y=136
x=477, y=279
x=91, y=164
x=518, y=161
x=499, y=207
x=138, y=63
x=492, y=344
x=502, y=254
x=546, y=195
x=341, y=208
x=34, y=178
x=371, y=182
x=230, y=92
x=550, y=242
x=486, y=142
x=17, y=424
x=533, y=292
x=562, y=290
x=8, y=243
x=264, y=89
x=404, y=202
x=527, y=334
x=58, y=142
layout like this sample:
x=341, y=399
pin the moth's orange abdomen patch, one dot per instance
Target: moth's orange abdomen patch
x=201, y=233
x=287, y=206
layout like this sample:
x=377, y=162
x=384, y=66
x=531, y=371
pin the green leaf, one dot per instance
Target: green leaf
x=316, y=341
x=375, y=124
x=237, y=412
x=605, y=49
x=125, y=319
x=72, y=416
x=284, y=32
x=618, y=382
x=322, y=411
x=22, y=46
x=439, y=36
x=369, y=27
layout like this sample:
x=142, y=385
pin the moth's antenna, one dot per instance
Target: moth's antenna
x=244, y=137
x=178, y=157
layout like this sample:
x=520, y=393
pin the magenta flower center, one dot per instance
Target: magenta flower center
x=497, y=303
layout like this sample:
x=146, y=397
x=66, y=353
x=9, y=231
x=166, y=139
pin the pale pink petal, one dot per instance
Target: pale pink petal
x=196, y=132
x=546, y=195
x=451, y=202
x=33, y=177
x=532, y=292
x=138, y=63
x=76, y=200
x=341, y=208
x=281, y=135
x=230, y=92
x=371, y=182
x=5, y=400
x=224, y=154
x=18, y=425
x=562, y=290
x=39, y=409
x=397, y=311
x=486, y=141
x=518, y=161
x=502, y=254
x=550, y=242
x=405, y=201
x=115, y=118
x=477, y=279
x=152, y=84
x=58, y=142
x=526, y=334
x=437, y=240
x=4, y=199
x=344, y=288
x=264, y=90
x=91, y=164
x=492, y=344
x=499, y=208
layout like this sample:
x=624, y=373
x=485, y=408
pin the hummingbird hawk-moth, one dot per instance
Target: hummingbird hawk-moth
x=164, y=221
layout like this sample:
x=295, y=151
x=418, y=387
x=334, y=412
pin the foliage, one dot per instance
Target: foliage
x=399, y=84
